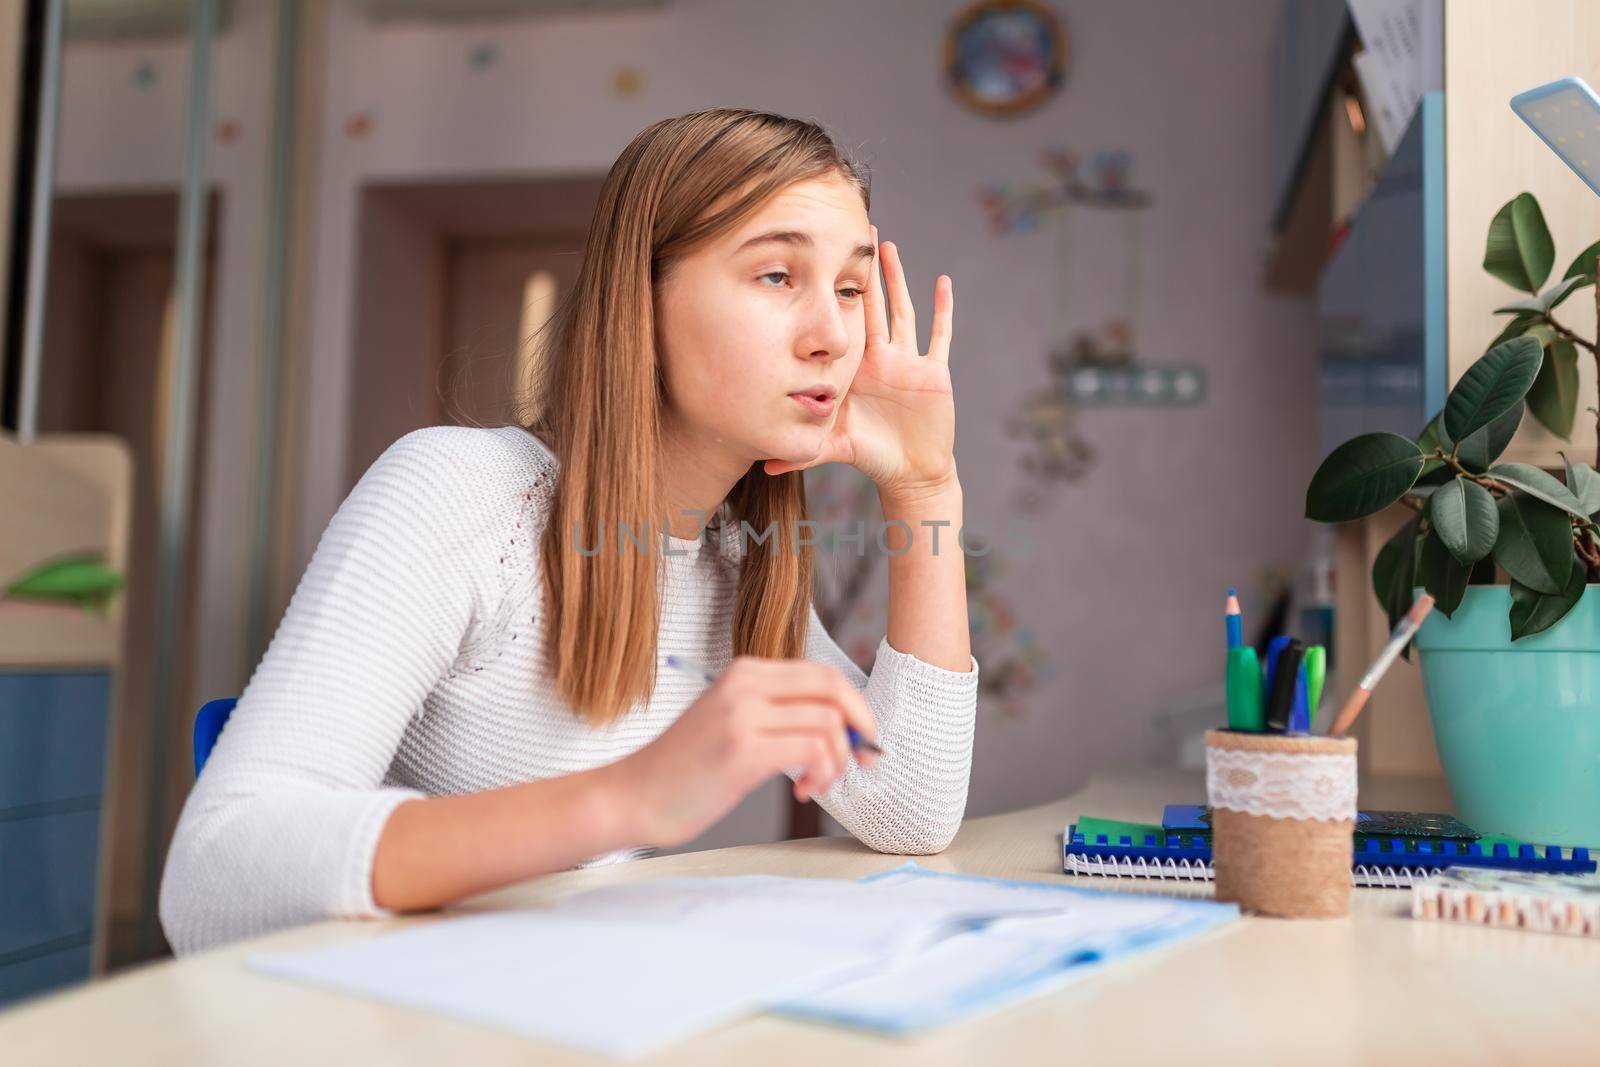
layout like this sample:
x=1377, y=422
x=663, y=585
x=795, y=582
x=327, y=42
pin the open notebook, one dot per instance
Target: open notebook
x=624, y=969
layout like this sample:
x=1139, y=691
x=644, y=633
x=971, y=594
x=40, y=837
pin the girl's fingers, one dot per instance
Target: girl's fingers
x=798, y=679
x=944, y=309
x=813, y=719
x=805, y=753
x=902, y=316
x=834, y=450
x=877, y=324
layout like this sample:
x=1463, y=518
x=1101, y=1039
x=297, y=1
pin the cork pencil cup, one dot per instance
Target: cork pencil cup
x=1283, y=814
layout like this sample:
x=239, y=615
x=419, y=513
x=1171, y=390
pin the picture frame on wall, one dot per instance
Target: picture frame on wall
x=1005, y=57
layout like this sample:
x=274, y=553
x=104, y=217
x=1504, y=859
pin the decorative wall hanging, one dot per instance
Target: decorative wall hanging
x=1095, y=364
x=1005, y=57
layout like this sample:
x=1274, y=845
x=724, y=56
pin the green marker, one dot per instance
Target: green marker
x=1246, y=701
x=1316, y=675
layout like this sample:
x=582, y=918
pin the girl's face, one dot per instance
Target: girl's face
x=755, y=325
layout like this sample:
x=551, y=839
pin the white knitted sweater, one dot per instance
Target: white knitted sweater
x=406, y=665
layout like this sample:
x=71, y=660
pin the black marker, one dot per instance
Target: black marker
x=1281, y=700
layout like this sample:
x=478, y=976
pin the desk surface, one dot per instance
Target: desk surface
x=1376, y=987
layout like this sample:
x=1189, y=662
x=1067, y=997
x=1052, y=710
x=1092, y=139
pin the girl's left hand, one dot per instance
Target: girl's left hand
x=897, y=422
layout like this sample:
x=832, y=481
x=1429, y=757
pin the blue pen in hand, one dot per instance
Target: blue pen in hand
x=684, y=665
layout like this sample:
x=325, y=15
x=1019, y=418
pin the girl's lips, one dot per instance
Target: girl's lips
x=817, y=407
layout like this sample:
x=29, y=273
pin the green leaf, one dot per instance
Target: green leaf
x=1442, y=575
x=1519, y=250
x=1534, y=612
x=1483, y=447
x=1362, y=476
x=1492, y=386
x=1515, y=328
x=1434, y=471
x=1396, y=563
x=1583, y=483
x=1535, y=543
x=1483, y=572
x=1548, y=300
x=1553, y=398
x=1584, y=263
x=1537, y=483
x=1464, y=516
x=1480, y=449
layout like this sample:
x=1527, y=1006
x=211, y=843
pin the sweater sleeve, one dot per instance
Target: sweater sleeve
x=282, y=826
x=912, y=800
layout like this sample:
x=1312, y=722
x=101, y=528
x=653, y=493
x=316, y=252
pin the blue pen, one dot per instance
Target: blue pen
x=1300, y=710
x=684, y=665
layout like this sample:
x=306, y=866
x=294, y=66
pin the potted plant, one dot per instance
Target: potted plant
x=1510, y=656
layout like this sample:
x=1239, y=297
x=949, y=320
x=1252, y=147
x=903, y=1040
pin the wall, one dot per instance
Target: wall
x=1122, y=576
x=1182, y=504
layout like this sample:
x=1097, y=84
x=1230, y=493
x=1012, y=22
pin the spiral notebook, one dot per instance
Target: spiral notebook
x=1394, y=863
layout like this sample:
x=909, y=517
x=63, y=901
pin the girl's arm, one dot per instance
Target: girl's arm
x=441, y=849
x=282, y=826
x=928, y=580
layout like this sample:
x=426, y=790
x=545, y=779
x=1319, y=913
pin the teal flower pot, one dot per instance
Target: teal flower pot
x=1517, y=725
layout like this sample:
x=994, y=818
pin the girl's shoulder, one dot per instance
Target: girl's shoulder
x=471, y=482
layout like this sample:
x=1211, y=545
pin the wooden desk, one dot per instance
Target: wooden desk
x=1374, y=988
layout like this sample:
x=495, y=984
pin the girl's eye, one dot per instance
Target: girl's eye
x=849, y=292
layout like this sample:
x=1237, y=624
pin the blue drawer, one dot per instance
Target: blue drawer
x=40, y=974
x=52, y=737
x=47, y=878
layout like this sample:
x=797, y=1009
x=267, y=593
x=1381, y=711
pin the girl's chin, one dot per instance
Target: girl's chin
x=792, y=448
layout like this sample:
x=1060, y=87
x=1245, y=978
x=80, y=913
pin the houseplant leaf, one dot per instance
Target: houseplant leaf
x=1492, y=386
x=1464, y=516
x=1442, y=575
x=1392, y=558
x=1483, y=572
x=1362, y=476
x=1519, y=251
x=1548, y=300
x=1553, y=397
x=1534, y=612
x=1481, y=448
x=1535, y=543
x=1584, y=263
x=1583, y=483
x=1515, y=328
x=1537, y=483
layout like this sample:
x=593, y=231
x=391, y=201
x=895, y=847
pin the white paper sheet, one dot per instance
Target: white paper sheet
x=883, y=916
x=614, y=988
x=624, y=969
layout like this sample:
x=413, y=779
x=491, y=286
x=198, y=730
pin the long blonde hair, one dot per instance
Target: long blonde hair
x=597, y=395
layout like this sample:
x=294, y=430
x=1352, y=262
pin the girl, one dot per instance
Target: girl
x=463, y=692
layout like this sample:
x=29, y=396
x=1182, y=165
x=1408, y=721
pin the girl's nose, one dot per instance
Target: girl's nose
x=826, y=334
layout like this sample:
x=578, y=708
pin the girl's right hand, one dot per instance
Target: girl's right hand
x=761, y=717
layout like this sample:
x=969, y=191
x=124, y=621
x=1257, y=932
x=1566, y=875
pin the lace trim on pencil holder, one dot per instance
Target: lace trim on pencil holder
x=1282, y=785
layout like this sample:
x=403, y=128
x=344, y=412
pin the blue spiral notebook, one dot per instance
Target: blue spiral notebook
x=1395, y=862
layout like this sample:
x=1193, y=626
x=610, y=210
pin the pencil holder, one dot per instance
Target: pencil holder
x=1283, y=812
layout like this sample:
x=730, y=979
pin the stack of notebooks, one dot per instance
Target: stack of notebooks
x=1393, y=849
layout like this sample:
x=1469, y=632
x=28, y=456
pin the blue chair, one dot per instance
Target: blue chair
x=208, y=726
